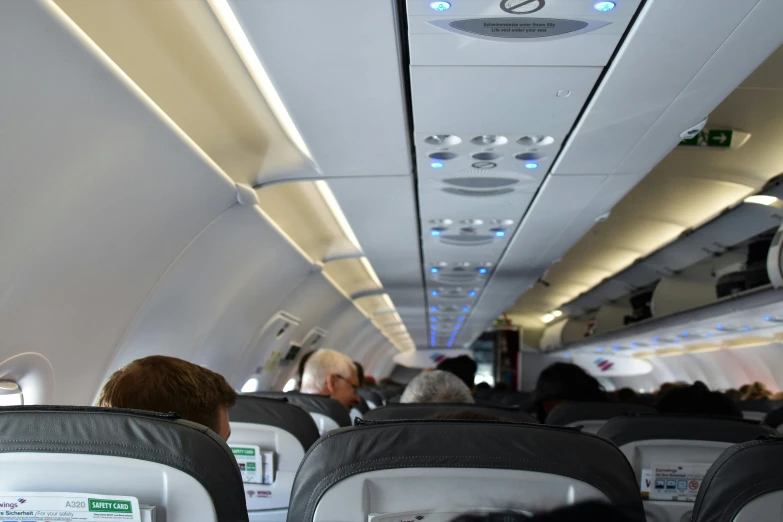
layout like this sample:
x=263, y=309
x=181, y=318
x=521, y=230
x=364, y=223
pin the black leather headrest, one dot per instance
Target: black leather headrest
x=570, y=412
x=742, y=473
x=276, y=412
x=419, y=411
x=632, y=428
x=154, y=437
x=314, y=404
x=373, y=446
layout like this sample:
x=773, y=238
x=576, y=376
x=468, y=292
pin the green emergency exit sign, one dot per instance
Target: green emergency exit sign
x=718, y=138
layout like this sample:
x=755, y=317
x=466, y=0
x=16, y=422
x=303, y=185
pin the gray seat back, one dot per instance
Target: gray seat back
x=327, y=413
x=280, y=427
x=182, y=468
x=394, y=468
x=430, y=410
x=743, y=485
x=591, y=416
x=690, y=443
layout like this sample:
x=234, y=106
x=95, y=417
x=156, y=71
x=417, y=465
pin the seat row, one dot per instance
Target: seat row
x=390, y=466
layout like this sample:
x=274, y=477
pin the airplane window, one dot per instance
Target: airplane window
x=484, y=378
x=290, y=385
x=10, y=394
x=250, y=386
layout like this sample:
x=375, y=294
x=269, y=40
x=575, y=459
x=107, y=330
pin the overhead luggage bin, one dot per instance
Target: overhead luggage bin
x=671, y=454
x=180, y=468
x=429, y=467
x=743, y=485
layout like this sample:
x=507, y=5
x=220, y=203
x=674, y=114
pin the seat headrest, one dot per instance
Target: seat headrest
x=314, y=404
x=429, y=410
x=155, y=437
x=570, y=412
x=742, y=473
x=278, y=413
x=373, y=446
x=632, y=428
x=774, y=418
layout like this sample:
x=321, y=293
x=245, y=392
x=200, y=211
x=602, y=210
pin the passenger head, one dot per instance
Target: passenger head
x=437, y=386
x=664, y=389
x=564, y=382
x=757, y=392
x=733, y=394
x=167, y=384
x=463, y=367
x=359, y=373
x=501, y=386
x=331, y=373
x=575, y=513
x=302, y=363
x=698, y=400
x=483, y=386
x=626, y=395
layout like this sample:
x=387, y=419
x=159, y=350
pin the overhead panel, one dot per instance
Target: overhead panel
x=496, y=88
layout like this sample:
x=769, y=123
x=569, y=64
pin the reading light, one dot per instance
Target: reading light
x=435, y=232
x=548, y=318
x=557, y=313
x=472, y=293
x=604, y=6
x=531, y=166
x=761, y=200
x=434, y=269
x=440, y=6
x=436, y=165
x=482, y=270
x=499, y=232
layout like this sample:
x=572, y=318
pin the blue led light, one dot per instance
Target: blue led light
x=676, y=339
x=472, y=293
x=436, y=165
x=720, y=327
x=457, y=326
x=603, y=6
x=434, y=269
x=656, y=339
x=567, y=356
x=768, y=318
x=434, y=319
x=616, y=347
x=434, y=292
x=482, y=270
x=435, y=232
x=434, y=308
x=684, y=334
x=634, y=343
x=600, y=350
x=531, y=166
x=460, y=319
x=500, y=233
x=708, y=335
x=466, y=309
x=747, y=328
x=440, y=6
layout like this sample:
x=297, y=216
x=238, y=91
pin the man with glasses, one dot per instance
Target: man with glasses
x=328, y=372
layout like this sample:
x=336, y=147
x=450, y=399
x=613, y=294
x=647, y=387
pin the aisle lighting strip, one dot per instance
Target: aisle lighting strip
x=247, y=53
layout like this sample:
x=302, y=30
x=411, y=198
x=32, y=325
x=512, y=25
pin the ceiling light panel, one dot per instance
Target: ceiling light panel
x=494, y=94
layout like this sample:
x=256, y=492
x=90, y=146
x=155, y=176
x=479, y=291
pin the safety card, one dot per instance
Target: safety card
x=67, y=507
x=678, y=482
x=255, y=464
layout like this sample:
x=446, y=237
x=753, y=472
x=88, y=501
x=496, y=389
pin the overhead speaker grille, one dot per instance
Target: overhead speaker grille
x=481, y=182
x=467, y=240
x=477, y=193
x=456, y=278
